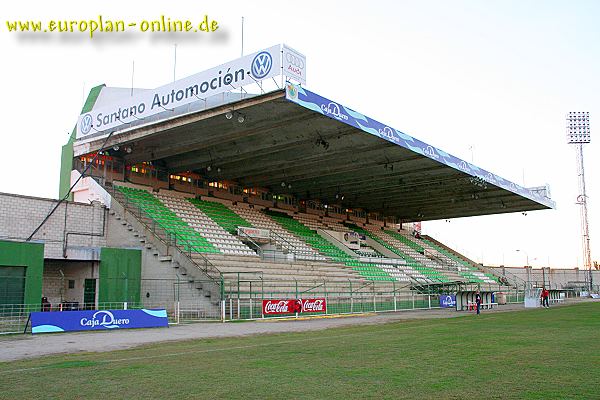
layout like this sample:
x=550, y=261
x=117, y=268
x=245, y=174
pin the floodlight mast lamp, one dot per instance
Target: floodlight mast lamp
x=578, y=133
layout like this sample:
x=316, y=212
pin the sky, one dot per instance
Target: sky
x=488, y=81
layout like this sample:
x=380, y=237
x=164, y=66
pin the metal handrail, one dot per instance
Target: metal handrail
x=334, y=238
x=259, y=250
x=279, y=238
x=449, y=264
x=512, y=278
x=290, y=247
x=314, y=287
x=167, y=241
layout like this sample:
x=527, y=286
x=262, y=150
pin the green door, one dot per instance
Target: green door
x=12, y=288
x=89, y=294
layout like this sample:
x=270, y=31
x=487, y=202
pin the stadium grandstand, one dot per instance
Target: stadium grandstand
x=208, y=206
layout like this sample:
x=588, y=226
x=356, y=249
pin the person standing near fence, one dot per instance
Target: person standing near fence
x=545, y=297
x=478, y=301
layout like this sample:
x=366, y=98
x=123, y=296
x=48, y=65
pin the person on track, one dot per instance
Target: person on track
x=545, y=297
x=478, y=302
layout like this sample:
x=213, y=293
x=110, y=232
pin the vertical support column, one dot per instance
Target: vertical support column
x=374, y=303
x=351, y=297
x=251, y=311
x=394, y=294
x=326, y=296
x=222, y=297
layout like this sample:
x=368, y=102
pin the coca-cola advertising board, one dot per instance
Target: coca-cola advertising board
x=292, y=306
x=314, y=305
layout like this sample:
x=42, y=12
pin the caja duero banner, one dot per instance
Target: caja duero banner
x=66, y=321
x=447, y=301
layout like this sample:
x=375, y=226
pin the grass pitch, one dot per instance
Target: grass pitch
x=537, y=354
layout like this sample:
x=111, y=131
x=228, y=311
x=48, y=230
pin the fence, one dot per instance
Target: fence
x=340, y=298
x=251, y=308
x=239, y=298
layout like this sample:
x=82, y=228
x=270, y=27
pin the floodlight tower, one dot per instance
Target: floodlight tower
x=578, y=133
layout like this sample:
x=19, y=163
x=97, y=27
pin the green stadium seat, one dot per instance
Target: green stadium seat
x=184, y=235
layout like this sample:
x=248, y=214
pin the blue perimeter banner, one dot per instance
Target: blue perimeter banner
x=447, y=301
x=67, y=321
x=297, y=94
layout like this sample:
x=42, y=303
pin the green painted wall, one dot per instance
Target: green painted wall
x=31, y=256
x=120, y=275
x=66, y=159
x=66, y=166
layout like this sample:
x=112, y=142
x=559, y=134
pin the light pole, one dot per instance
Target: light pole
x=527, y=268
x=526, y=256
x=578, y=133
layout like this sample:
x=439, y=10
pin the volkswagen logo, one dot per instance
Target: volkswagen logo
x=294, y=60
x=86, y=124
x=261, y=64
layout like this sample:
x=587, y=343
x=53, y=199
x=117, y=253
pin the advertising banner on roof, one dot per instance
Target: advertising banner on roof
x=255, y=67
x=331, y=109
x=294, y=64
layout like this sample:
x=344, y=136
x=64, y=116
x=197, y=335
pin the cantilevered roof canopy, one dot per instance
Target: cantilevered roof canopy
x=321, y=149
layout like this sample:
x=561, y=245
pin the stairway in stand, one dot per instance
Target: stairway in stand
x=208, y=228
